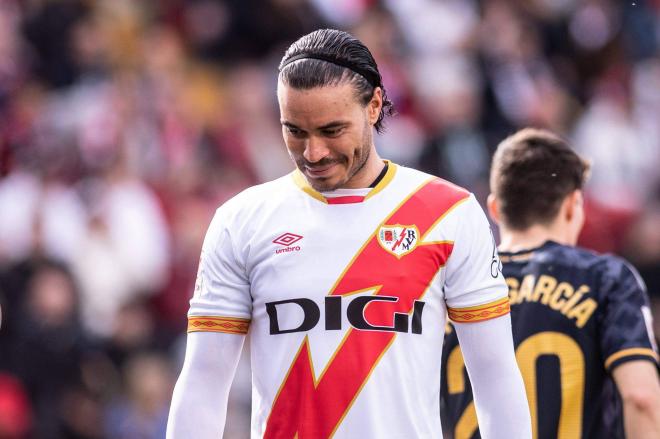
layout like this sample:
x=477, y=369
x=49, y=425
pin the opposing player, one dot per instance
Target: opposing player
x=579, y=319
x=342, y=274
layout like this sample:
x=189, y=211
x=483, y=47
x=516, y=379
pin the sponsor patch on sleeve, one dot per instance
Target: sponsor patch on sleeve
x=480, y=313
x=229, y=325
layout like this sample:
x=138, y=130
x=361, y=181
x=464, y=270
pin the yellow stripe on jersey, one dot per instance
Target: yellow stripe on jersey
x=480, y=313
x=516, y=258
x=229, y=325
x=630, y=352
x=302, y=183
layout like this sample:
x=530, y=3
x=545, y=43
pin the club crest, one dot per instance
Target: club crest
x=398, y=239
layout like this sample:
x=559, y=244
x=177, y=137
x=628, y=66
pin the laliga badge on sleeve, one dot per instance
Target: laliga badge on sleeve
x=398, y=239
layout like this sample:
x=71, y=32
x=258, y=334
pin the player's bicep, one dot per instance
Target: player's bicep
x=474, y=288
x=221, y=300
x=636, y=377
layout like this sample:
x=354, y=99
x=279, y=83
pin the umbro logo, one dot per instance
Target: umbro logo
x=287, y=240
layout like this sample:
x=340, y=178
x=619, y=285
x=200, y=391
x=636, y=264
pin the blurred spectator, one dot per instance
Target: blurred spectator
x=456, y=148
x=236, y=30
x=624, y=149
x=142, y=411
x=44, y=340
x=15, y=411
x=134, y=331
x=436, y=28
x=35, y=210
x=189, y=217
x=125, y=252
x=48, y=29
x=642, y=247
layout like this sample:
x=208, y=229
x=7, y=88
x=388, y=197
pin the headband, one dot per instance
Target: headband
x=371, y=77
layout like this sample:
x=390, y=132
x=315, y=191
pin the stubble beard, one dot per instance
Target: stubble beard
x=360, y=159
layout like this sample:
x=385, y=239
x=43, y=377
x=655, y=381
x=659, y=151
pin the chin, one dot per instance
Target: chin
x=325, y=185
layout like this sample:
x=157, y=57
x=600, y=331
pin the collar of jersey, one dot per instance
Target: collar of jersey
x=300, y=181
x=525, y=254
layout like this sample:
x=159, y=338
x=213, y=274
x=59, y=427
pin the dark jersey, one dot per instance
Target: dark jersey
x=576, y=315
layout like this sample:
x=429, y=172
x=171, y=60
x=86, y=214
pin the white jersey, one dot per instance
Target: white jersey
x=345, y=299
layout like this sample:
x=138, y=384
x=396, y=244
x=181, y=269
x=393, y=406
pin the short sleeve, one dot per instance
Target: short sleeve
x=474, y=288
x=625, y=321
x=221, y=300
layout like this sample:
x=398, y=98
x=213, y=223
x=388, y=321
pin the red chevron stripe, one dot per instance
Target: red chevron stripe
x=315, y=409
x=348, y=199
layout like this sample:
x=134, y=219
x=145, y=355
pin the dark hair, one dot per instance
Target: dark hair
x=330, y=57
x=532, y=173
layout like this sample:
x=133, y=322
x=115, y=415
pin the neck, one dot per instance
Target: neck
x=532, y=237
x=368, y=173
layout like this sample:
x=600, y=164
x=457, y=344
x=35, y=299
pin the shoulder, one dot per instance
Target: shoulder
x=242, y=210
x=255, y=198
x=607, y=264
x=434, y=192
x=573, y=256
x=620, y=272
x=608, y=267
x=435, y=181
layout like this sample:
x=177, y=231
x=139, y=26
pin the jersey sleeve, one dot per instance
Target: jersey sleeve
x=221, y=300
x=626, y=324
x=474, y=288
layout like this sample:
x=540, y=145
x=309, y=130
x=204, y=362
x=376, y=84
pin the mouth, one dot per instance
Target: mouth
x=320, y=171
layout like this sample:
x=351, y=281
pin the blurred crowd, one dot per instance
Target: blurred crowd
x=125, y=124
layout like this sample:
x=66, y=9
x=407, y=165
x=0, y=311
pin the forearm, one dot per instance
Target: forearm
x=639, y=387
x=199, y=402
x=641, y=422
x=498, y=388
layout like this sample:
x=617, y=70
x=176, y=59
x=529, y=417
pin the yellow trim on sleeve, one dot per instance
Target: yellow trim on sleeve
x=229, y=325
x=630, y=352
x=481, y=312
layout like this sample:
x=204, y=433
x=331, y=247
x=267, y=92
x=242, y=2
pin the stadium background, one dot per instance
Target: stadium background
x=124, y=124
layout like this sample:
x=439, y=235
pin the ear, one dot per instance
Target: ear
x=571, y=204
x=375, y=105
x=579, y=198
x=572, y=216
x=493, y=208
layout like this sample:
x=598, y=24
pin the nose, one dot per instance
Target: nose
x=315, y=149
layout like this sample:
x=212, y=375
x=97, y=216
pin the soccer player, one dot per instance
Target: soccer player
x=342, y=273
x=579, y=319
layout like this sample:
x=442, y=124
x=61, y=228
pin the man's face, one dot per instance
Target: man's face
x=328, y=133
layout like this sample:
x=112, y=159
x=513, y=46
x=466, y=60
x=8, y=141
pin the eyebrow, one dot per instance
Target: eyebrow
x=333, y=124
x=288, y=124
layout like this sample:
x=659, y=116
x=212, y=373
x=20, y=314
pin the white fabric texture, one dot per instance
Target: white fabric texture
x=491, y=364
